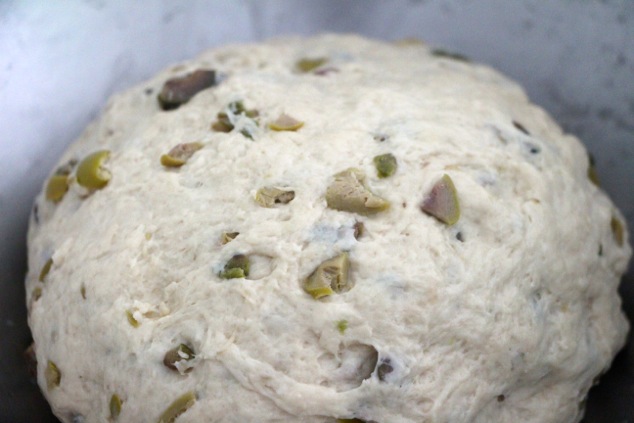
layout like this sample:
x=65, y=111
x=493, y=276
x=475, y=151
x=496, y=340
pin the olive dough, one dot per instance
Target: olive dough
x=473, y=279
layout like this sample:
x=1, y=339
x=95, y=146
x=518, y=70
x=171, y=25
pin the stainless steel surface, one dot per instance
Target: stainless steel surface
x=59, y=61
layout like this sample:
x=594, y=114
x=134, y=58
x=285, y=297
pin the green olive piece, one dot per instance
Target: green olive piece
x=133, y=322
x=178, y=91
x=385, y=165
x=115, y=406
x=56, y=188
x=617, y=231
x=180, y=154
x=307, y=64
x=222, y=124
x=90, y=171
x=593, y=175
x=270, y=196
x=330, y=277
x=178, y=407
x=227, y=237
x=442, y=201
x=237, y=267
x=45, y=269
x=438, y=52
x=177, y=354
x=235, y=108
x=52, y=375
x=342, y=325
x=348, y=193
x=285, y=123
x=58, y=184
x=36, y=294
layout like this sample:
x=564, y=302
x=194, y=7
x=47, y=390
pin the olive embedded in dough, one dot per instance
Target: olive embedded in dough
x=617, y=230
x=56, y=187
x=270, y=196
x=133, y=322
x=178, y=91
x=306, y=65
x=115, y=406
x=358, y=229
x=178, y=407
x=227, y=237
x=52, y=375
x=330, y=277
x=348, y=193
x=442, y=201
x=180, y=154
x=342, y=326
x=286, y=123
x=385, y=165
x=237, y=267
x=177, y=354
x=91, y=172
x=45, y=270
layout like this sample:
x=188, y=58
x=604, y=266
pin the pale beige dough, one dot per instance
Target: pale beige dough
x=506, y=316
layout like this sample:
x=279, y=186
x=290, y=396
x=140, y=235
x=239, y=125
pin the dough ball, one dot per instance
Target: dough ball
x=321, y=230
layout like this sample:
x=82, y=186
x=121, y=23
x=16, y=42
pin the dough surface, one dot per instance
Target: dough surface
x=508, y=315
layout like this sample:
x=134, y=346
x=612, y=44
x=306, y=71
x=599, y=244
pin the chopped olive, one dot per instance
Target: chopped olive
x=348, y=193
x=385, y=165
x=56, y=188
x=234, y=109
x=350, y=421
x=310, y=64
x=133, y=322
x=36, y=294
x=82, y=291
x=501, y=398
x=223, y=124
x=442, y=201
x=115, y=406
x=520, y=127
x=438, y=52
x=58, y=184
x=237, y=267
x=329, y=277
x=593, y=175
x=178, y=407
x=285, y=123
x=384, y=369
x=45, y=269
x=31, y=360
x=90, y=171
x=180, y=154
x=178, y=91
x=177, y=354
x=342, y=325
x=52, y=375
x=227, y=237
x=359, y=229
x=617, y=231
x=269, y=196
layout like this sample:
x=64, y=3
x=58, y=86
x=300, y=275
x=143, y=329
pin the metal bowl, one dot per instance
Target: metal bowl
x=59, y=63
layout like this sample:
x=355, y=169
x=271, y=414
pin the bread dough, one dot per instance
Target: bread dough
x=507, y=315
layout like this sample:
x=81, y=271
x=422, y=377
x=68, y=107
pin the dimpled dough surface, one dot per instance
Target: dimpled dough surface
x=507, y=315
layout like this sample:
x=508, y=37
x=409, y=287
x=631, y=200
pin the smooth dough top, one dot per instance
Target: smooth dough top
x=507, y=315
